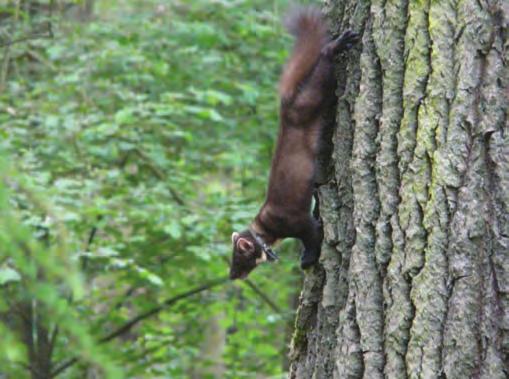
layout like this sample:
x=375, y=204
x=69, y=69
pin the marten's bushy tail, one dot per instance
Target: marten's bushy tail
x=310, y=30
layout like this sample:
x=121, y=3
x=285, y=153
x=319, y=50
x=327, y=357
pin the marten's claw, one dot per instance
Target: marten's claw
x=344, y=42
x=348, y=39
x=349, y=34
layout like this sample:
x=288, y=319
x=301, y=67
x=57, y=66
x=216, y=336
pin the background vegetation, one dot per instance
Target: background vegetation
x=134, y=139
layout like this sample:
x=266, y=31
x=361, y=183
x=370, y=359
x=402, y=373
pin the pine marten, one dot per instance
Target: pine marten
x=307, y=90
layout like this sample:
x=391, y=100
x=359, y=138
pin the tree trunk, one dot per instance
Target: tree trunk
x=24, y=318
x=211, y=351
x=414, y=273
x=86, y=10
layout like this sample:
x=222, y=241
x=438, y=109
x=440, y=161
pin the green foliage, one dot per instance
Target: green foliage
x=137, y=143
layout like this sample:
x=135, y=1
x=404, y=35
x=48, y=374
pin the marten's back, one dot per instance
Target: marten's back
x=302, y=95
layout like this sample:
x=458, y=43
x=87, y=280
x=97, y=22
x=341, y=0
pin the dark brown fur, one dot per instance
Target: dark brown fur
x=307, y=91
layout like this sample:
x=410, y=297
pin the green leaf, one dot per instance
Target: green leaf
x=124, y=116
x=173, y=229
x=150, y=277
x=8, y=274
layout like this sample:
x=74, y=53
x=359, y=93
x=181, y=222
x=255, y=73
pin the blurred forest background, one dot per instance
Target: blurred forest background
x=135, y=135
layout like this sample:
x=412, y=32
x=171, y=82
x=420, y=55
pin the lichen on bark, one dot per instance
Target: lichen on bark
x=414, y=275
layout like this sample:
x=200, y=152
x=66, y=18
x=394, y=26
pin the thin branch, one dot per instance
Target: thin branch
x=142, y=316
x=7, y=53
x=127, y=294
x=91, y=236
x=84, y=260
x=40, y=59
x=53, y=340
x=26, y=38
x=4, y=69
x=258, y=291
x=128, y=325
x=93, y=232
x=262, y=294
x=42, y=34
x=64, y=366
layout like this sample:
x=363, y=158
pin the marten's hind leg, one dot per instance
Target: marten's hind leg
x=322, y=75
x=320, y=83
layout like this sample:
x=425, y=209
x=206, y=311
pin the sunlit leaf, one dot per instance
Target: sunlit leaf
x=8, y=274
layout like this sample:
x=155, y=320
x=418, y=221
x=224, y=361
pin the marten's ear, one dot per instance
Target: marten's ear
x=235, y=235
x=245, y=245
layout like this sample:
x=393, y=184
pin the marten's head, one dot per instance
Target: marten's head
x=247, y=254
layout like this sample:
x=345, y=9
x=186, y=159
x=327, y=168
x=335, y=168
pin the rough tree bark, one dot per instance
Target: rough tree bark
x=414, y=273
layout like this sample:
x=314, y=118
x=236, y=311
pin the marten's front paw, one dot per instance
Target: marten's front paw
x=347, y=40
x=308, y=259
